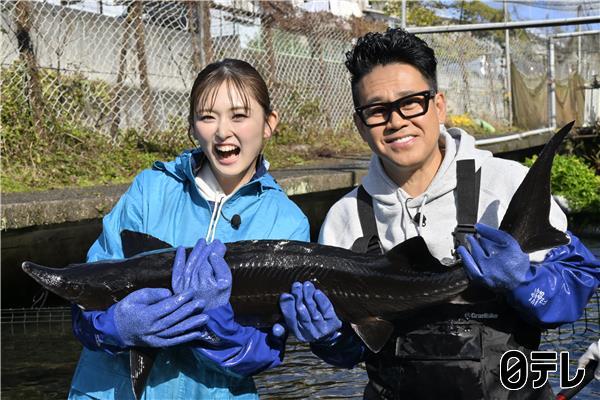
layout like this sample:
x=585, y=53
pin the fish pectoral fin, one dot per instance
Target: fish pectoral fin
x=141, y=360
x=134, y=243
x=374, y=332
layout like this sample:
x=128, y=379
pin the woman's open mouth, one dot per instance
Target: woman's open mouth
x=227, y=153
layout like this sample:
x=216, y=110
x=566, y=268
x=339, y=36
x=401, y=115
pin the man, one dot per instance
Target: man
x=452, y=351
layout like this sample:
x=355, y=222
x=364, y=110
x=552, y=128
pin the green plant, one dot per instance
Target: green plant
x=576, y=181
x=77, y=150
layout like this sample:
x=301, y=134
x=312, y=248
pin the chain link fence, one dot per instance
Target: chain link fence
x=131, y=65
x=471, y=71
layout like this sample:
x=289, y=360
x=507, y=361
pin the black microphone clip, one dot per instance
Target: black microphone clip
x=235, y=221
x=417, y=218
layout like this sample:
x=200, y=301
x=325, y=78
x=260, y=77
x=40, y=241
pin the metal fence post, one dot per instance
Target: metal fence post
x=551, y=85
x=403, y=14
x=507, y=60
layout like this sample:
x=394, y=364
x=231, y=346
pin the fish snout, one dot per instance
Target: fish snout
x=52, y=279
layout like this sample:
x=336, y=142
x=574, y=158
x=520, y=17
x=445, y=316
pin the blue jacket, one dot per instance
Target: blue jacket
x=554, y=292
x=165, y=202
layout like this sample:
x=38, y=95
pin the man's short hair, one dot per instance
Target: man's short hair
x=393, y=46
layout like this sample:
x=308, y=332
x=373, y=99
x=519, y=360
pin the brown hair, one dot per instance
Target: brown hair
x=237, y=73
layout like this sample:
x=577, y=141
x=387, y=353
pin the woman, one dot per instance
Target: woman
x=221, y=190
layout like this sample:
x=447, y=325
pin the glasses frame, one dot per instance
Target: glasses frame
x=395, y=106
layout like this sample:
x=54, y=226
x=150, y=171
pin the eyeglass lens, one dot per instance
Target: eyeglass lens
x=409, y=107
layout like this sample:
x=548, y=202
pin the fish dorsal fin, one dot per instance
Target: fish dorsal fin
x=374, y=332
x=134, y=243
x=526, y=218
x=141, y=360
x=414, y=254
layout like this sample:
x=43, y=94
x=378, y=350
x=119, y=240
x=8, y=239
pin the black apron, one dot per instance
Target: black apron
x=450, y=351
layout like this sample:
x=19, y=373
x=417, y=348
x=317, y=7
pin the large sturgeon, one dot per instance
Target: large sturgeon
x=367, y=291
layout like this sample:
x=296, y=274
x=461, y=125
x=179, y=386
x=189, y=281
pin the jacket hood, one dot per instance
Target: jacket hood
x=185, y=167
x=456, y=144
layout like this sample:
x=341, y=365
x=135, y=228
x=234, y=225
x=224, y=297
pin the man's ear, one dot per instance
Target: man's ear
x=361, y=127
x=439, y=102
x=271, y=124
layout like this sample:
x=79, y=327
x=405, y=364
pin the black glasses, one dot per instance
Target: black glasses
x=408, y=107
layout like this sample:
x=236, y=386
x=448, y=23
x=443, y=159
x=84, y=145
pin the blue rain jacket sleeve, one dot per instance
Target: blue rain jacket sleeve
x=96, y=330
x=126, y=214
x=556, y=290
x=238, y=349
x=345, y=350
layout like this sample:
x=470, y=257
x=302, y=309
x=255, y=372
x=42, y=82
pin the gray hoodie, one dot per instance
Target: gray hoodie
x=394, y=209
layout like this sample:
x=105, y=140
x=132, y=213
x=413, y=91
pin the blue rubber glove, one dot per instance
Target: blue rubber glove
x=242, y=350
x=96, y=330
x=345, y=351
x=156, y=318
x=309, y=314
x=495, y=259
x=557, y=290
x=205, y=272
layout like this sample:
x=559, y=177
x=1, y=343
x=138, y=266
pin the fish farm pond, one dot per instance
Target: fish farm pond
x=39, y=355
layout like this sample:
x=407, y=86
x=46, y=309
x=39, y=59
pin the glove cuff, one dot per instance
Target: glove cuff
x=221, y=328
x=106, y=324
x=329, y=340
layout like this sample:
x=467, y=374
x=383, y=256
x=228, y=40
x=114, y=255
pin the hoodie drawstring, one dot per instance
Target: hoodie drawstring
x=420, y=213
x=212, y=226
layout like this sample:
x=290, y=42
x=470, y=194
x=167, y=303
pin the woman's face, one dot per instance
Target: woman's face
x=232, y=135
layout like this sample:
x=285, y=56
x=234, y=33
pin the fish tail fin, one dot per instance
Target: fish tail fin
x=140, y=363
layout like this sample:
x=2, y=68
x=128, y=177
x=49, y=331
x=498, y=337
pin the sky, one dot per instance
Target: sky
x=549, y=9
x=523, y=10
x=520, y=10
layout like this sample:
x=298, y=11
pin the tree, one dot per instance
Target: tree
x=426, y=12
x=476, y=12
x=419, y=13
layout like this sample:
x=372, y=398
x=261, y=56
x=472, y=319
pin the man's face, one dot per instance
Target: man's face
x=403, y=145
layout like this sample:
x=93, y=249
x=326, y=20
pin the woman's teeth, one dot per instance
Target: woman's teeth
x=227, y=150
